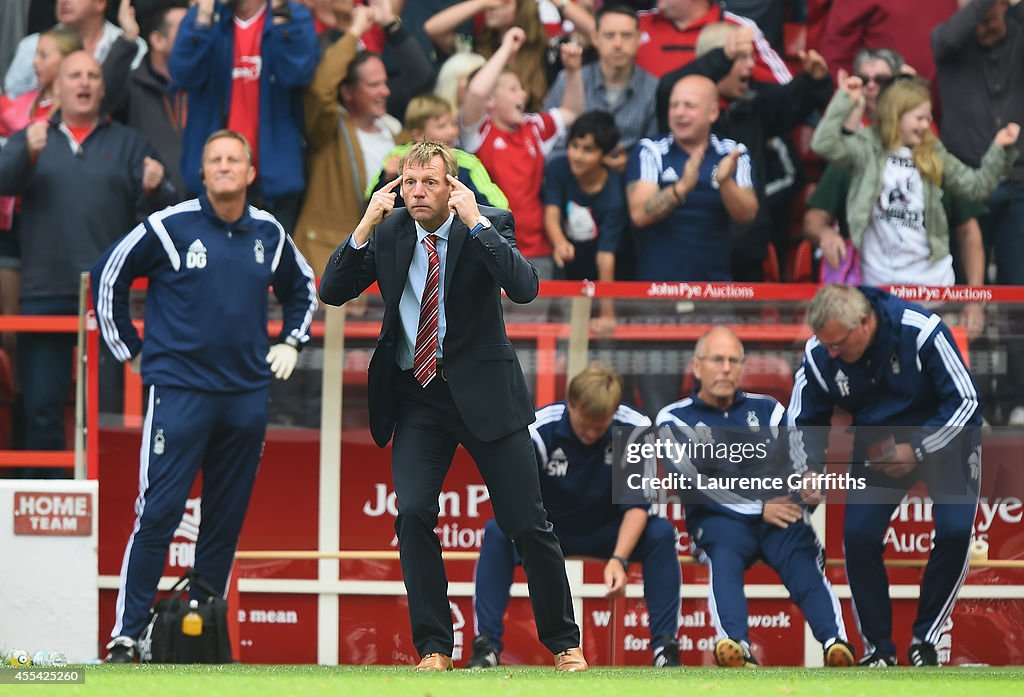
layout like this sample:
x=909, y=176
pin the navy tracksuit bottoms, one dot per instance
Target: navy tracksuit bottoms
x=656, y=552
x=729, y=544
x=185, y=432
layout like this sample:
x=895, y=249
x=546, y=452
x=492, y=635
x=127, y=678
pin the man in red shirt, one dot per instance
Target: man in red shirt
x=903, y=25
x=245, y=65
x=668, y=39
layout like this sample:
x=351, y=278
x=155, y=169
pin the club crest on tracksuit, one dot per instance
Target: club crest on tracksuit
x=257, y=250
x=752, y=421
x=843, y=383
x=159, y=442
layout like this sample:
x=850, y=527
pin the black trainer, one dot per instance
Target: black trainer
x=668, y=655
x=922, y=654
x=121, y=650
x=877, y=660
x=484, y=653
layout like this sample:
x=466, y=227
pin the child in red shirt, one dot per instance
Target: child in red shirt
x=512, y=144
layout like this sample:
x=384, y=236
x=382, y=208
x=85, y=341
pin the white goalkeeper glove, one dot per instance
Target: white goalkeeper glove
x=282, y=359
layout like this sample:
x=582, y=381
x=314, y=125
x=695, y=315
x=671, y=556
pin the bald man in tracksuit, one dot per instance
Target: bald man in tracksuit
x=206, y=364
x=896, y=368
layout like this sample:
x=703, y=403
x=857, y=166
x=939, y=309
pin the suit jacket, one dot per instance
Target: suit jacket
x=480, y=365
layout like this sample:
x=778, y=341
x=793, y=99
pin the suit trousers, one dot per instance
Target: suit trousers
x=427, y=431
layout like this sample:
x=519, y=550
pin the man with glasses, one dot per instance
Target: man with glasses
x=734, y=527
x=896, y=368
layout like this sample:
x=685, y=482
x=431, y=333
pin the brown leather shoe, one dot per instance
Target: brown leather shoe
x=571, y=661
x=435, y=661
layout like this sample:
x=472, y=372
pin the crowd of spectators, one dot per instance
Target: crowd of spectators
x=632, y=140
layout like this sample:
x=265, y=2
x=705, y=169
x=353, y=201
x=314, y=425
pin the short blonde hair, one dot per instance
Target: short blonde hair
x=596, y=391
x=424, y=108
x=423, y=152
x=227, y=133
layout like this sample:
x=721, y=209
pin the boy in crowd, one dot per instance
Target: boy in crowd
x=513, y=144
x=429, y=117
x=585, y=204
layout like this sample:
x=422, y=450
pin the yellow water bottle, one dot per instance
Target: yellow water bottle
x=192, y=623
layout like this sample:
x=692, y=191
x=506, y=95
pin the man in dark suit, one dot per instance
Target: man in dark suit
x=444, y=373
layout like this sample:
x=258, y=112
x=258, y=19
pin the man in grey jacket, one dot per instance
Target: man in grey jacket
x=82, y=180
x=146, y=98
x=979, y=52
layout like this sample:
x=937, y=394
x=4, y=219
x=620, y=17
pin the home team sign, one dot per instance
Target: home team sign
x=52, y=513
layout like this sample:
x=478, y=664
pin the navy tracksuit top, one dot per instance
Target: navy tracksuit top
x=911, y=381
x=751, y=419
x=576, y=479
x=206, y=307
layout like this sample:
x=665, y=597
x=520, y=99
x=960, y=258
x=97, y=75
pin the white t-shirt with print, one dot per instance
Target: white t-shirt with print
x=895, y=248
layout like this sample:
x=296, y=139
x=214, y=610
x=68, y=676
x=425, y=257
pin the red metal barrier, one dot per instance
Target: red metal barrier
x=48, y=324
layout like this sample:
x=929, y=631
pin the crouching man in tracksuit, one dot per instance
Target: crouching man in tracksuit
x=206, y=364
x=732, y=528
x=895, y=367
x=574, y=449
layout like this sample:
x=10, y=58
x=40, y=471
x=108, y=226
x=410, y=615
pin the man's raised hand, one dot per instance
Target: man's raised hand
x=382, y=202
x=463, y=201
x=35, y=137
x=152, y=174
x=380, y=206
x=727, y=167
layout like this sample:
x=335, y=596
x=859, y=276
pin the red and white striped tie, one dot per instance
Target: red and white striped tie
x=424, y=362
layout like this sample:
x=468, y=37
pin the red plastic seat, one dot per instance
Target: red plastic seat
x=772, y=272
x=803, y=264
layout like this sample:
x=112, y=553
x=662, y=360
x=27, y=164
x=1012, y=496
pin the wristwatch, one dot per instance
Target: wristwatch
x=293, y=342
x=394, y=25
x=482, y=223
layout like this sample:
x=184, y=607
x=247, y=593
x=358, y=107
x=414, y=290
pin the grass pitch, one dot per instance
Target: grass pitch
x=377, y=681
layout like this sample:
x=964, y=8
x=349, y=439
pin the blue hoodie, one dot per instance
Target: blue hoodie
x=202, y=62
